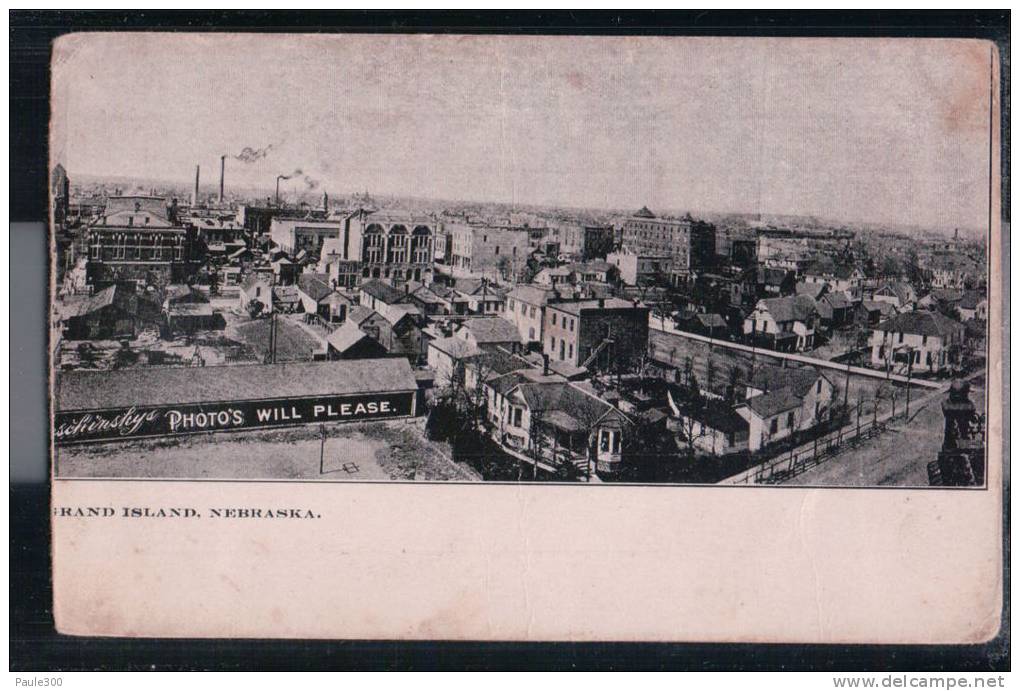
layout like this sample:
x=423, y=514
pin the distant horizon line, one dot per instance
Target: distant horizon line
x=975, y=230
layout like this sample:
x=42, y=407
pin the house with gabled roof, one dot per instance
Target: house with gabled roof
x=257, y=287
x=839, y=277
x=952, y=270
x=286, y=298
x=482, y=296
x=557, y=422
x=973, y=305
x=917, y=341
x=486, y=333
x=428, y=301
x=899, y=294
x=552, y=276
x=835, y=310
x=771, y=417
x=780, y=401
x=388, y=301
x=319, y=298
x=445, y=356
x=349, y=342
x=285, y=270
x=712, y=425
x=109, y=313
x=775, y=403
x=784, y=323
x=814, y=290
x=871, y=312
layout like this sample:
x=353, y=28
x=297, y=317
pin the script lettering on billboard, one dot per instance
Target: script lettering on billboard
x=112, y=425
x=126, y=423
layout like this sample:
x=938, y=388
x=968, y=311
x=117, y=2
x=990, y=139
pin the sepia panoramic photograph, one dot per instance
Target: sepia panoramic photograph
x=595, y=260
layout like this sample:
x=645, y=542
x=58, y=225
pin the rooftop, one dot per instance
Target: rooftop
x=314, y=285
x=922, y=323
x=577, y=306
x=491, y=330
x=774, y=402
x=771, y=378
x=254, y=279
x=790, y=308
x=714, y=414
x=549, y=396
x=971, y=299
x=457, y=348
x=160, y=386
x=382, y=291
x=346, y=336
x=531, y=295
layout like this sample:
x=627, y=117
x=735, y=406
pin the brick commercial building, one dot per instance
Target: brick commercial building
x=641, y=269
x=689, y=242
x=392, y=244
x=488, y=249
x=604, y=334
x=584, y=241
x=134, y=241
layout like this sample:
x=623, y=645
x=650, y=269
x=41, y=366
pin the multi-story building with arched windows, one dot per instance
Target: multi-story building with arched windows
x=392, y=244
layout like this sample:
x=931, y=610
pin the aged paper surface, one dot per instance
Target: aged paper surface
x=526, y=338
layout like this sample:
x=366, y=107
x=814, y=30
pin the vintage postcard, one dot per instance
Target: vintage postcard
x=526, y=338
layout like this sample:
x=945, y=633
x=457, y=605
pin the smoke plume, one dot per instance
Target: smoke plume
x=310, y=182
x=250, y=155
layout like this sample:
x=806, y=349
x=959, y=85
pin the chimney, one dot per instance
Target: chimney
x=602, y=303
x=194, y=194
x=223, y=165
x=545, y=364
x=325, y=202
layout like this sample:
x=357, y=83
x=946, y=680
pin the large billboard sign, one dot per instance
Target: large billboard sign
x=75, y=427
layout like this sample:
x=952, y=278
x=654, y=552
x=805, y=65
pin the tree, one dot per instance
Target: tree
x=503, y=265
x=654, y=455
x=710, y=372
x=912, y=268
x=445, y=421
x=950, y=310
x=891, y=267
x=733, y=385
x=254, y=308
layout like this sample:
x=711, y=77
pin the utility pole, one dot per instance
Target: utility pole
x=859, y=419
x=322, y=447
x=910, y=367
x=754, y=329
x=272, y=336
x=846, y=385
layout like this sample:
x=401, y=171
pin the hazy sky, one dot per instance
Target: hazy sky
x=888, y=131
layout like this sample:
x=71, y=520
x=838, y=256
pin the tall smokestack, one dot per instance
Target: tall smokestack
x=223, y=165
x=194, y=193
x=325, y=202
